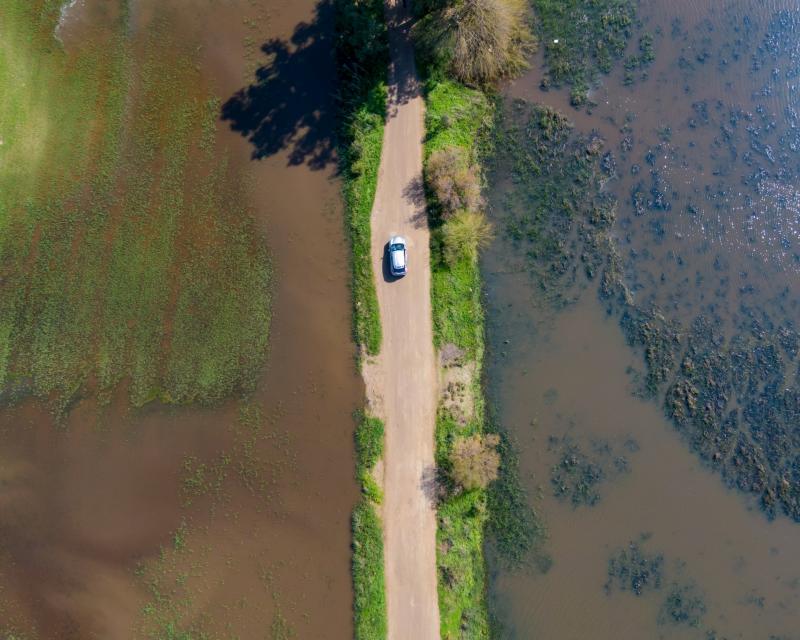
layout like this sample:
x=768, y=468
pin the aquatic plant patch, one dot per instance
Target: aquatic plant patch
x=728, y=382
x=684, y=605
x=737, y=404
x=516, y=530
x=582, y=470
x=128, y=252
x=547, y=191
x=634, y=569
x=583, y=38
x=640, y=572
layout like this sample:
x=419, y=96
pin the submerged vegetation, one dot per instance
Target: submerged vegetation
x=581, y=471
x=558, y=216
x=554, y=209
x=177, y=578
x=128, y=253
x=725, y=372
x=583, y=38
x=640, y=572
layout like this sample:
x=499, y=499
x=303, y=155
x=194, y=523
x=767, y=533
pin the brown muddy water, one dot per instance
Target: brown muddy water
x=656, y=541
x=230, y=522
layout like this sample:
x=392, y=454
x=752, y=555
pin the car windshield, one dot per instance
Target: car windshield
x=397, y=247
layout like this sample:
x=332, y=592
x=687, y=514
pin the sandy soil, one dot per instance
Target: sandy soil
x=403, y=379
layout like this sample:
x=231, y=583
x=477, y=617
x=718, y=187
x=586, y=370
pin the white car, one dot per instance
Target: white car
x=398, y=260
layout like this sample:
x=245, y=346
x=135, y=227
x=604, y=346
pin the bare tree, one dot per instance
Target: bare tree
x=475, y=461
x=455, y=182
x=482, y=40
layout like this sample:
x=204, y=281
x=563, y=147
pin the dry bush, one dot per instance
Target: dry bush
x=455, y=183
x=475, y=461
x=482, y=40
x=465, y=235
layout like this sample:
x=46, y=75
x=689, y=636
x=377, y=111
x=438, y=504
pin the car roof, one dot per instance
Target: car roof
x=399, y=259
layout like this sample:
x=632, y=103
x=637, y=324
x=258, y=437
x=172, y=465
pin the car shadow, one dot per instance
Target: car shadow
x=387, y=273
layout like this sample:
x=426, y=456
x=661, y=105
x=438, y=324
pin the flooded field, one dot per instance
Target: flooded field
x=643, y=341
x=169, y=202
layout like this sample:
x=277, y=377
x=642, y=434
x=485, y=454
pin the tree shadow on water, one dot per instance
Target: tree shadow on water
x=290, y=104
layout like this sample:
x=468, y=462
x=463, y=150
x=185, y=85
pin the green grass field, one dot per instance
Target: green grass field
x=127, y=253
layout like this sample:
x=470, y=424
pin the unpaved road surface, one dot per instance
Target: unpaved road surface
x=404, y=375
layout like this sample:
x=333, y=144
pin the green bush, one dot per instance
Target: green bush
x=464, y=235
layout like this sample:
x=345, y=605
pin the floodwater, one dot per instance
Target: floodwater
x=657, y=543
x=105, y=529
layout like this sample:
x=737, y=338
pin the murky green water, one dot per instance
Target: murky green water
x=659, y=425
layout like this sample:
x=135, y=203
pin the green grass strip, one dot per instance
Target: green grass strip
x=362, y=54
x=456, y=116
x=368, y=573
x=369, y=449
x=362, y=58
x=462, y=117
x=368, y=567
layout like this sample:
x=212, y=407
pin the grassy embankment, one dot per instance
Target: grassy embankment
x=368, y=568
x=460, y=116
x=362, y=58
x=362, y=55
x=127, y=253
x=499, y=514
x=459, y=124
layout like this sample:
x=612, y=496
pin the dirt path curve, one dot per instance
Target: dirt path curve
x=404, y=377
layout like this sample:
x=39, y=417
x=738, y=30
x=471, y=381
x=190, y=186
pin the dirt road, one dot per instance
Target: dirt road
x=404, y=376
